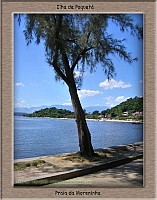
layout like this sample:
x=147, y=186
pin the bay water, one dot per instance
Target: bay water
x=34, y=137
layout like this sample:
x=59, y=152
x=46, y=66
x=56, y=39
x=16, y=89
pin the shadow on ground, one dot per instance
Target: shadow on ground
x=128, y=175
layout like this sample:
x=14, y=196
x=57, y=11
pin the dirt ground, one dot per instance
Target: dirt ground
x=35, y=168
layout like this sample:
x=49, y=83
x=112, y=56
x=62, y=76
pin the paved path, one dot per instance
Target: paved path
x=128, y=175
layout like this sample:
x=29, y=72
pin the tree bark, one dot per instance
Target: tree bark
x=84, y=136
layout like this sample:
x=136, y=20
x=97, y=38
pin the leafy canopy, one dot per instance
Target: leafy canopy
x=73, y=41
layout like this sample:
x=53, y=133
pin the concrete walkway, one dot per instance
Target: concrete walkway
x=128, y=175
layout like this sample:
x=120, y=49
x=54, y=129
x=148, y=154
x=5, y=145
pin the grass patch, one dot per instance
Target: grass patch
x=77, y=158
x=20, y=166
x=35, y=163
x=100, y=155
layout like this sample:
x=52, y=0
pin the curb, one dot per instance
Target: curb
x=78, y=172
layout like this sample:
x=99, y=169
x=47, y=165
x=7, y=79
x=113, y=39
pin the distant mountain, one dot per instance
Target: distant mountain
x=19, y=114
x=28, y=110
x=63, y=107
x=33, y=109
x=89, y=109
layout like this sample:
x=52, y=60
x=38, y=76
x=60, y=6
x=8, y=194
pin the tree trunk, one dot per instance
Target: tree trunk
x=84, y=136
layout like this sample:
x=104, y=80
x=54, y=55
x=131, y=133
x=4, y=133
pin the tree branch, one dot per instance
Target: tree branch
x=65, y=61
x=79, y=57
x=57, y=69
x=58, y=46
x=88, y=38
x=62, y=50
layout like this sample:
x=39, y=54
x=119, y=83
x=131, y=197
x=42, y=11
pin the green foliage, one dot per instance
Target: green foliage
x=131, y=106
x=23, y=165
x=96, y=112
x=20, y=166
x=73, y=41
x=52, y=113
x=36, y=163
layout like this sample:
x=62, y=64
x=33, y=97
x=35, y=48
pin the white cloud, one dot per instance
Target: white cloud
x=120, y=99
x=109, y=104
x=113, y=84
x=111, y=101
x=110, y=98
x=67, y=104
x=21, y=103
x=87, y=93
x=19, y=84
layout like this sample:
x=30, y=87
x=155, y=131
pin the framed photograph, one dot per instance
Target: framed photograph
x=78, y=99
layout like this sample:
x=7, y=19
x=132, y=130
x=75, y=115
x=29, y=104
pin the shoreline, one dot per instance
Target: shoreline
x=100, y=120
x=118, y=120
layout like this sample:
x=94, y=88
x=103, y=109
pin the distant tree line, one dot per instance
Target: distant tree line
x=52, y=113
x=132, y=108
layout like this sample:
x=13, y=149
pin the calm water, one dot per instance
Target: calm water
x=35, y=137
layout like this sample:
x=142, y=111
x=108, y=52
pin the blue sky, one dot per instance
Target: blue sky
x=34, y=83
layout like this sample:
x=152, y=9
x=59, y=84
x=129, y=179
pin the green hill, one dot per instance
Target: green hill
x=52, y=113
x=132, y=108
